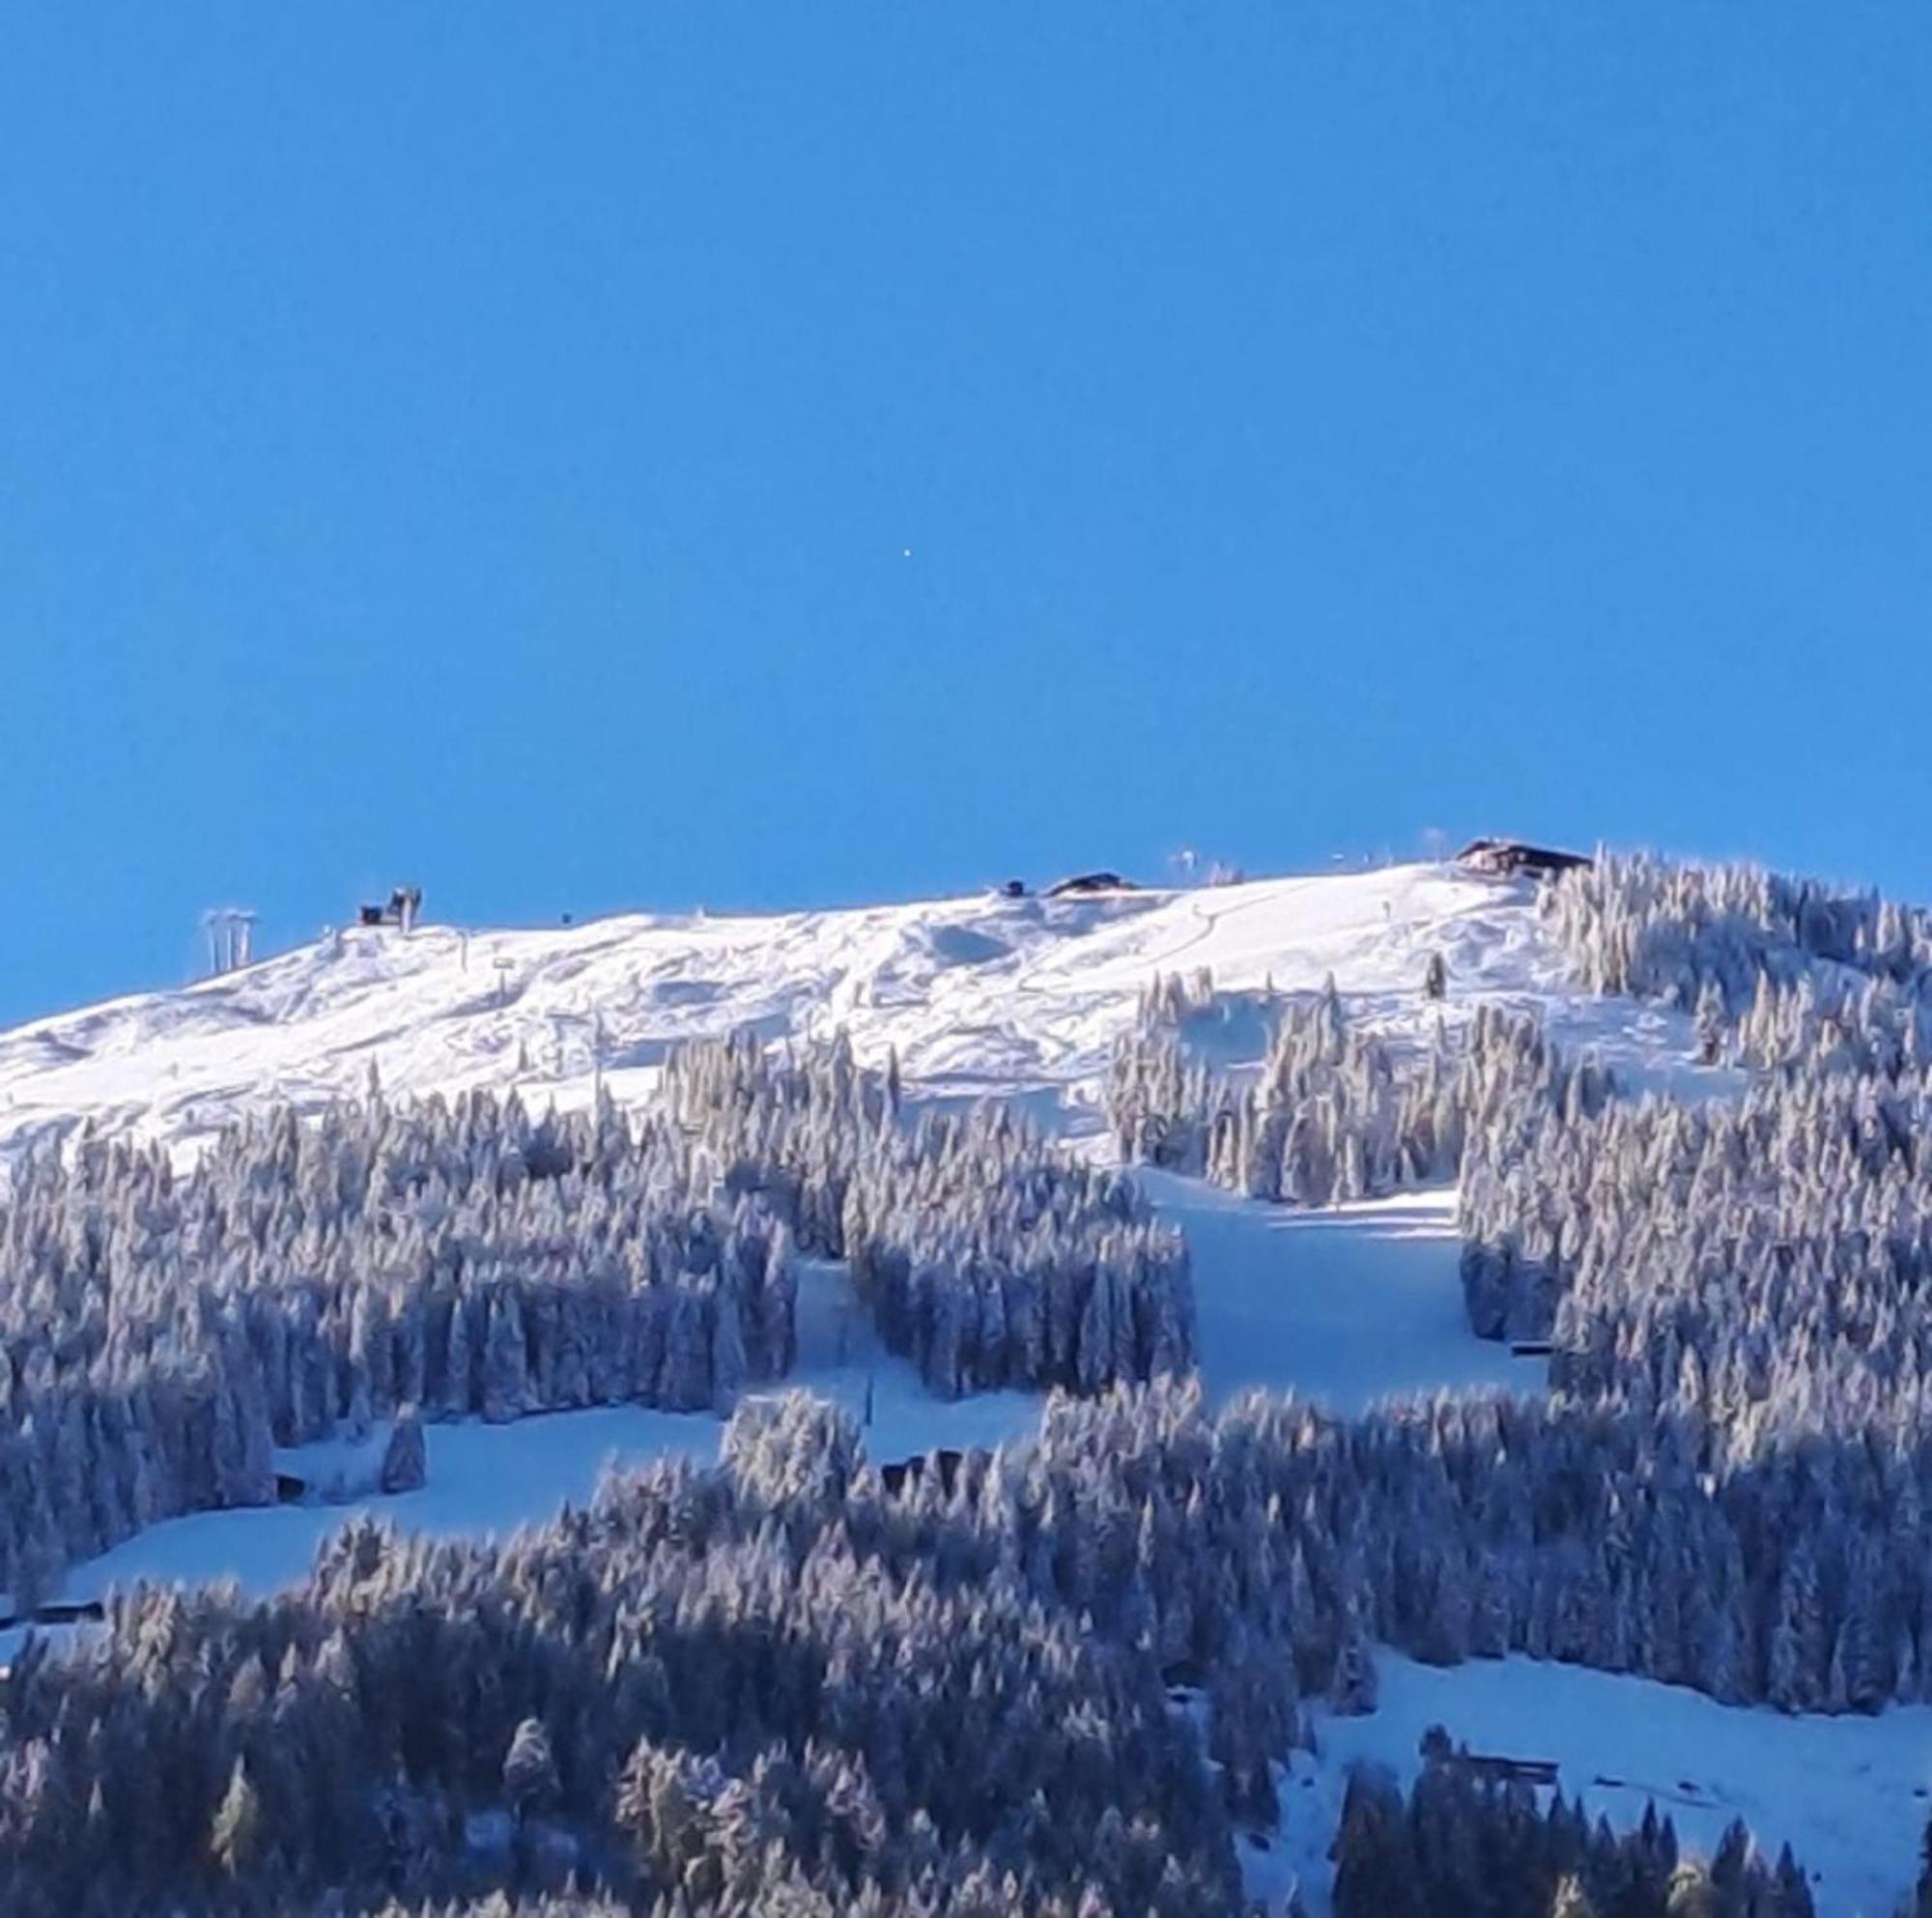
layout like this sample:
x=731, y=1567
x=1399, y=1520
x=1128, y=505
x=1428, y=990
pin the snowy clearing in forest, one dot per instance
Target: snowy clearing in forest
x=1849, y=1794
x=1345, y=1305
x=491, y=1479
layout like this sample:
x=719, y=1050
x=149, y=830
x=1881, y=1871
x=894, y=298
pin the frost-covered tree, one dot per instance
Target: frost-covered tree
x=236, y=1841
x=530, y=1771
x=404, y=1456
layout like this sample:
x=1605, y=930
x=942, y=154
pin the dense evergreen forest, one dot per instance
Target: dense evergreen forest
x=983, y=1256
x=774, y=1686
x=1761, y=1260
x=720, y=1685
x=164, y=1332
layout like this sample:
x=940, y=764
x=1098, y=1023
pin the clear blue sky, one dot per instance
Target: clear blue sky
x=603, y=456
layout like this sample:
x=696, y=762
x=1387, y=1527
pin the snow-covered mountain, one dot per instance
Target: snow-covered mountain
x=979, y=995
x=1022, y=999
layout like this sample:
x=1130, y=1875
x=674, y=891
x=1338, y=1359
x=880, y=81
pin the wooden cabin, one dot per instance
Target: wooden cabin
x=1515, y=859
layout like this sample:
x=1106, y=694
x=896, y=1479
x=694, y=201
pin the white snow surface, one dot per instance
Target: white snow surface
x=1016, y=997
x=1021, y=999
x=1347, y=1305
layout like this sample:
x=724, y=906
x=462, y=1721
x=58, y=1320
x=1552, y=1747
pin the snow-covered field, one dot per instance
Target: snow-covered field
x=1023, y=999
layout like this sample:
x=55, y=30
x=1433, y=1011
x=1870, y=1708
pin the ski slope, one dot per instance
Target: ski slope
x=1021, y=999
x=983, y=996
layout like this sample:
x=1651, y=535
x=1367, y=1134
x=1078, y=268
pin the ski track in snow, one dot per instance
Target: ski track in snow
x=1020, y=999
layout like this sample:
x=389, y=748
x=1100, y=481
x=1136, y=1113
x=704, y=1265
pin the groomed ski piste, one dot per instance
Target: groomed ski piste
x=1019, y=999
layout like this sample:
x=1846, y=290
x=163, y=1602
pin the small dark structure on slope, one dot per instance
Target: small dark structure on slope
x=1514, y=858
x=57, y=1612
x=904, y=1474
x=403, y=909
x=1080, y=885
x=1510, y=1771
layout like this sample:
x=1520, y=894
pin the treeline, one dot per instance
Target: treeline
x=1463, y=1845
x=1780, y=972
x=1336, y=1112
x=160, y=1333
x=983, y=1255
x=773, y=1686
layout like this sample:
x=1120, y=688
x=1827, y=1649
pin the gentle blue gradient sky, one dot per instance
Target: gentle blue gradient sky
x=602, y=456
